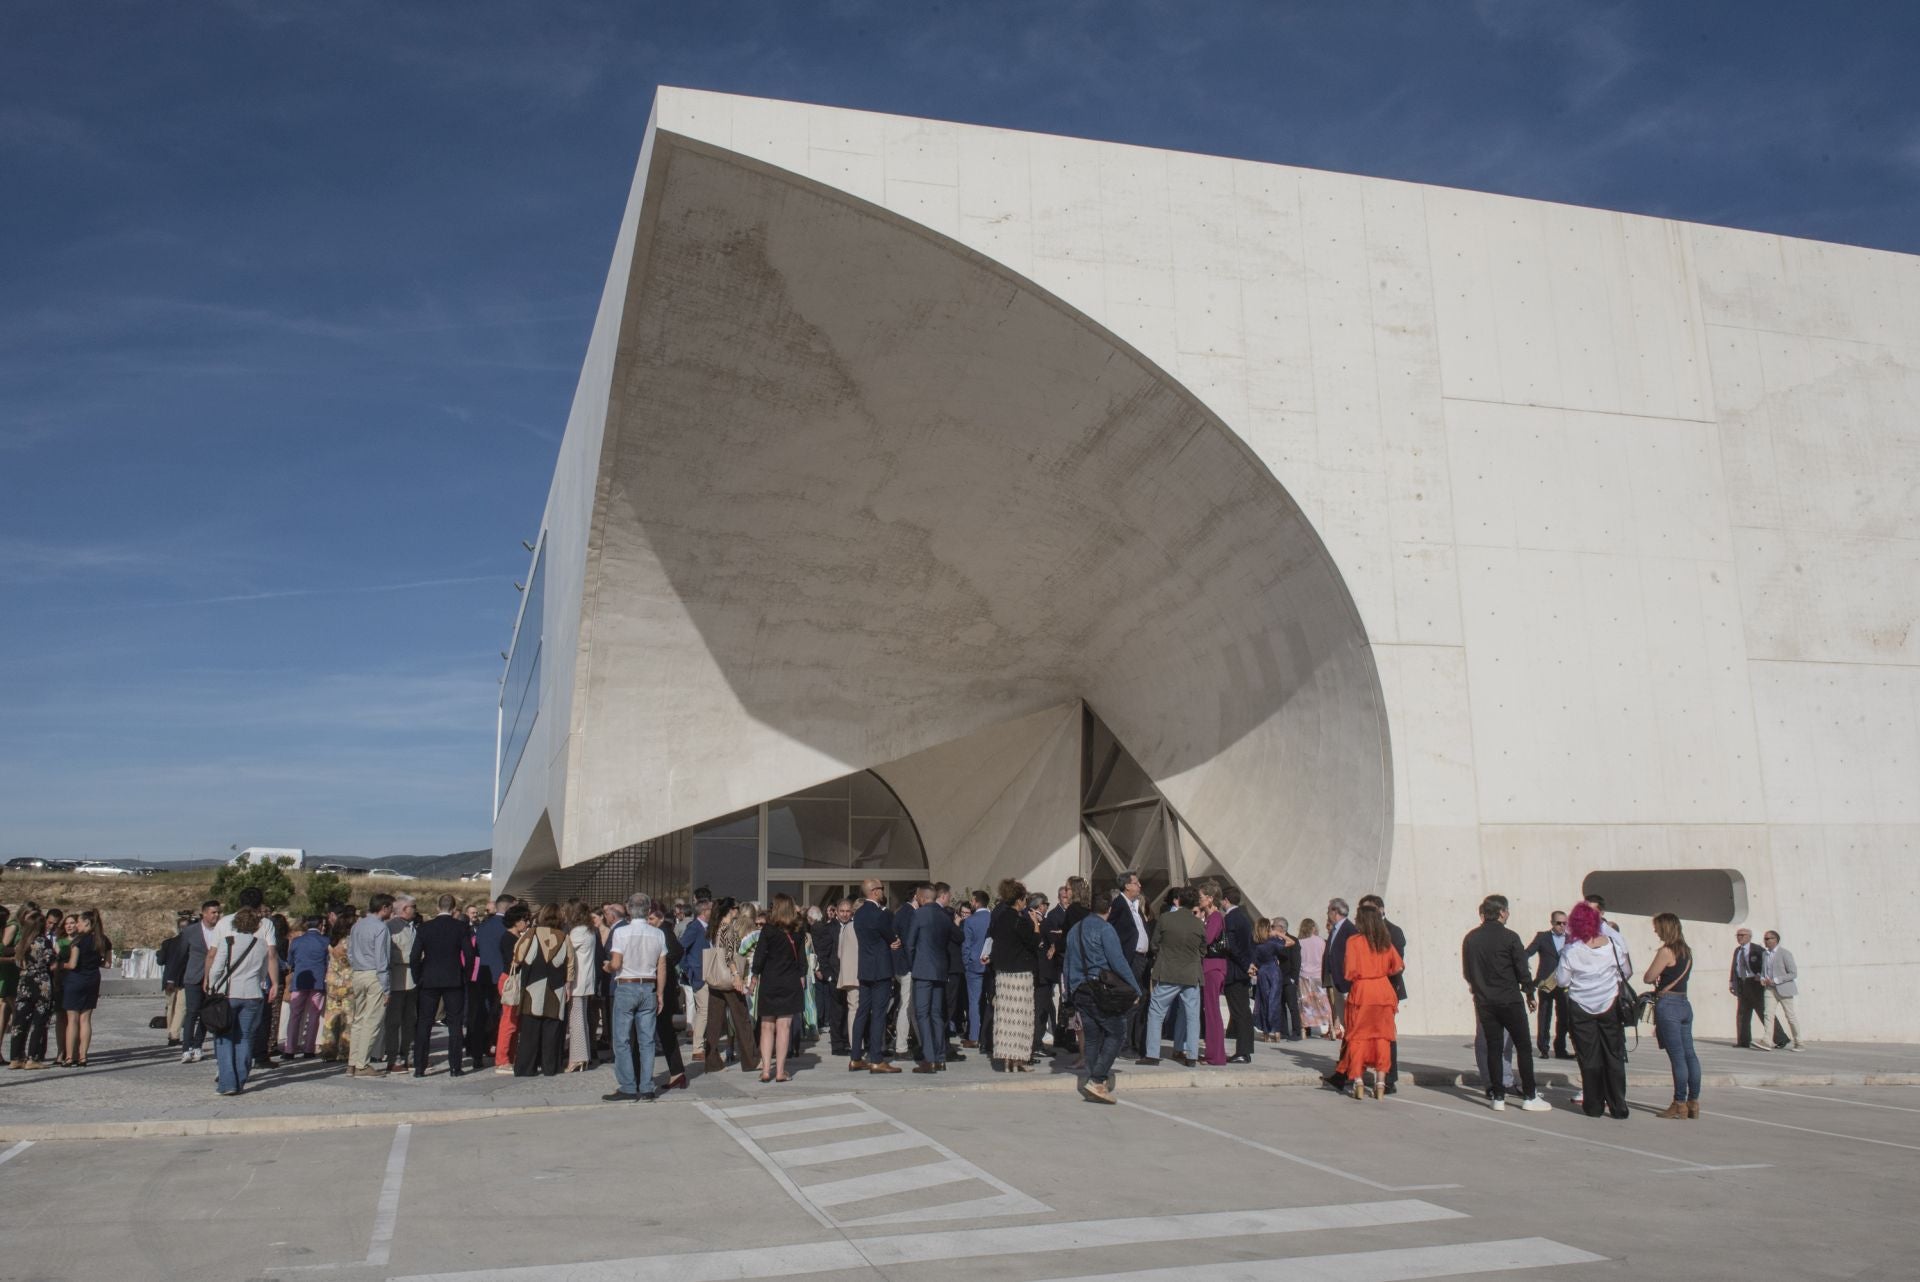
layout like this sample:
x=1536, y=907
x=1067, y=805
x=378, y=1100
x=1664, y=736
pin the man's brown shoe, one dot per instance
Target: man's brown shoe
x=972, y=1046
x=882, y=1068
x=1146, y=1061
x=926, y=1068
x=855, y=1065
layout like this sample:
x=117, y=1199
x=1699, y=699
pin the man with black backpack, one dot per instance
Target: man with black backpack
x=1100, y=978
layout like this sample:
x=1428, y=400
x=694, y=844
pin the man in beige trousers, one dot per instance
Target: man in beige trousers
x=370, y=959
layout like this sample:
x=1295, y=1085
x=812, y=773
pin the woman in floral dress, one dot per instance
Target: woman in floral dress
x=33, y=1001
x=336, y=1018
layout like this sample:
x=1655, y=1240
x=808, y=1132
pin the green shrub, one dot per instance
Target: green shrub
x=270, y=875
x=324, y=890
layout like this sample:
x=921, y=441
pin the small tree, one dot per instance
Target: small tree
x=270, y=875
x=324, y=890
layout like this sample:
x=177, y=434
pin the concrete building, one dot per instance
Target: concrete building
x=950, y=498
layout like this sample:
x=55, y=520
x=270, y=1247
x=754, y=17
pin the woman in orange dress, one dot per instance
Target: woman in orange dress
x=1371, y=958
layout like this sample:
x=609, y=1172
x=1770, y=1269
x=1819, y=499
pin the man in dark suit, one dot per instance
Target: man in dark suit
x=483, y=995
x=1333, y=972
x=1127, y=914
x=1545, y=952
x=879, y=941
x=441, y=960
x=1746, y=981
x=900, y=1010
x=826, y=971
x=1237, y=936
x=928, y=937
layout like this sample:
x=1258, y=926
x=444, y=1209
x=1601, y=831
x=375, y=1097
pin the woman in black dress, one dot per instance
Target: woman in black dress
x=779, y=980
x=87, y=953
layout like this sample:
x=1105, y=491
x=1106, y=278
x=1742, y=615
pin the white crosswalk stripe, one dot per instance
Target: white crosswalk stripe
x=1398, y=1265
x=863, y=1255
x=857, y=1197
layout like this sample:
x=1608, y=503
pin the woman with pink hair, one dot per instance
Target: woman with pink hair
x=1592, y=967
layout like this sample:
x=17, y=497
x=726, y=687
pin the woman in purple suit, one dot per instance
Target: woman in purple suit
x=1213, y=975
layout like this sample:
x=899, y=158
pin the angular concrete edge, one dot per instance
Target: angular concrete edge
x=192, y=1127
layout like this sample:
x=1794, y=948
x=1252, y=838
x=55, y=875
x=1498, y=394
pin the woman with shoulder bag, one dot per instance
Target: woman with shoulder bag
x=1673, y=1014
x=543, y=965
x=1592, y=968
x=726, y=1006
x=238, y=969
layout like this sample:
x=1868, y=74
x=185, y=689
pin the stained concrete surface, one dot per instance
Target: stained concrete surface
x=1802, y=1181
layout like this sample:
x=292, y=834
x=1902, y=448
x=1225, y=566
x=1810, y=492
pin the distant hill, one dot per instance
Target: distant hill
x=436, y=867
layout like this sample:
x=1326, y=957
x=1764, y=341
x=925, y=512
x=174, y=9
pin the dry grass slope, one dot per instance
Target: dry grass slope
x=140, y=911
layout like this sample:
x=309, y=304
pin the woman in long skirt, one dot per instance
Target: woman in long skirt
x=1371, y=1004
x=1014, y=933
x=583, y=940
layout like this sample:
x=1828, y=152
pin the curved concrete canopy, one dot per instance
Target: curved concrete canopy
x=863, y=491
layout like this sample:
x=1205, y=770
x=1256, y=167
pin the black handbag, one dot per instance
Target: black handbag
x=1633, y=1007
x=216, y=1009
x=1112, y=994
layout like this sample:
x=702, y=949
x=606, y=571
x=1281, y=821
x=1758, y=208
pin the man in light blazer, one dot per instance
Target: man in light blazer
x=1781, y=978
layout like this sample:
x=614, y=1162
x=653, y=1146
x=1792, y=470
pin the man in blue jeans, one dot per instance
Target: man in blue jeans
x=1179, y=943
x=1094, y=946
x=639, y=969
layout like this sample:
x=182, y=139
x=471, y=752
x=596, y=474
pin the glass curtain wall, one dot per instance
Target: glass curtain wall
x=811, y=845
x=1126, y=825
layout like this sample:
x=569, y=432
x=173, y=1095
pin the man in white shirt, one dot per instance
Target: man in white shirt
x=639, y=969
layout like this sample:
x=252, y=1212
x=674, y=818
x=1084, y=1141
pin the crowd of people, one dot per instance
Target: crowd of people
x=565, y=987
x=50, y=964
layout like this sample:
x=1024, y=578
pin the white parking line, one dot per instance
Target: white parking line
x=964, y=1244
x=1830, y=1099
x=387, y=1211
x=15, y=1151
x=1372, y=1266
x=1685, y=1164
x=1810, y=1130
x=1291, y=1157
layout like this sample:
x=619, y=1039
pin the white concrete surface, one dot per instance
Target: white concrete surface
x=1629, y=511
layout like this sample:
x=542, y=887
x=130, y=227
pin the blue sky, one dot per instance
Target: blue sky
x=293, y=296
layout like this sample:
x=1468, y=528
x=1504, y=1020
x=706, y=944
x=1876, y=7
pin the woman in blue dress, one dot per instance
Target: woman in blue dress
x=1269, y=950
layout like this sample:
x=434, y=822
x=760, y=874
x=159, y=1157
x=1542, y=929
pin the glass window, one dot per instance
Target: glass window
x=886, y=843
x=807, y=833
x=871, y=796
x=726, y=855
x=520, y=688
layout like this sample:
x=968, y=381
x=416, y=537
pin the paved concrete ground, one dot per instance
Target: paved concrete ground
x=135, y=1087
x=842, y=1175
x=946, y=1186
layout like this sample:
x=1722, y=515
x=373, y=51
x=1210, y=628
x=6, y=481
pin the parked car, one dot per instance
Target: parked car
x=29, y=863
x=485, y=874
x=338, y=870
x=103, y=870
x=391, y=874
